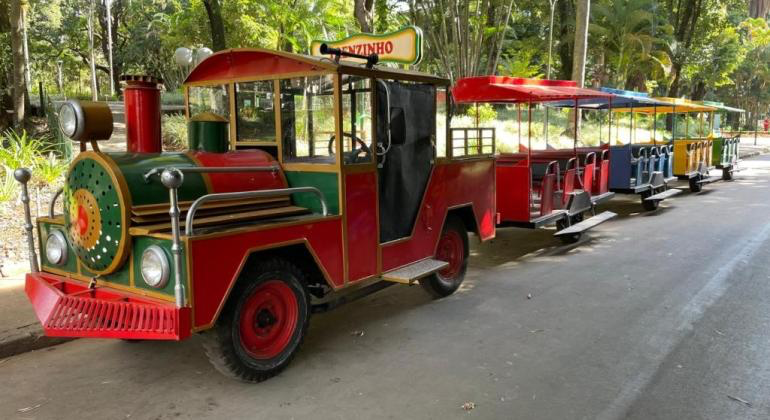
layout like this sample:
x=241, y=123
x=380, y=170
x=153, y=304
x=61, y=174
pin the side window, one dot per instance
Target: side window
x=357, y=119
x=442, y=117
x=255, y=111
x=307, y=119
x=209, y=99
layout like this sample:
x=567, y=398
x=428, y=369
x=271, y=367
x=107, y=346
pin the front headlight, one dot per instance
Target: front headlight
x=56, y=248
x=154, y=266
x=71, y=119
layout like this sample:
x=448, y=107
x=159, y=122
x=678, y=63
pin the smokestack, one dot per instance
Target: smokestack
x=141, y=97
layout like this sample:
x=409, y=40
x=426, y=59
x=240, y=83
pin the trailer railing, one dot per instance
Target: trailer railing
x=469, y=141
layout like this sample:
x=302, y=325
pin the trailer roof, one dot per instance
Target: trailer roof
x=670, y=105
x=618, y=99
x=244, y=64
x=721, y=106
x=489, y=89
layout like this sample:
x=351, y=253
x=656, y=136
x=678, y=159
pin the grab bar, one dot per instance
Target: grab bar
x=250, y=194
x=53, y=202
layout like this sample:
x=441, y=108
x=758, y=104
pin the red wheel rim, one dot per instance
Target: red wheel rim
x=452, y=250
x=268, y=319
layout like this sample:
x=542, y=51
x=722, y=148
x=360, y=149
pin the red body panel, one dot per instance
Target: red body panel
x=362, y=231
x=513, y=191
x=142, y=107
x=68, y=308
x=451, y=184
x=217, y=261
x=245, y=181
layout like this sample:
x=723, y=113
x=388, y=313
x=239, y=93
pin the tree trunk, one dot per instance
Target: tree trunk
x=363, y=13
x=759, y=8
x=214, y=12
x=566, y=11
x=17, y=52
x=581, y=42
x=582, y=12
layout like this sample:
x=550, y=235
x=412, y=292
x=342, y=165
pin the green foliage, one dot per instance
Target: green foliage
x=482, y=113
x=174, y=132
x=21, y=150
x=8, y=185
x=49, y=169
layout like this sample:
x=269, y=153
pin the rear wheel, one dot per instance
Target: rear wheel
x=263, y=323
x=452, y=248
x=695, y=185
x=649, y=205
x=562, y=224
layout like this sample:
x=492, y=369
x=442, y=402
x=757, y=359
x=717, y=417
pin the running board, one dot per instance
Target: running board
x=586, y=224
x=408, y=274
x=663, y=195
x=709, y=180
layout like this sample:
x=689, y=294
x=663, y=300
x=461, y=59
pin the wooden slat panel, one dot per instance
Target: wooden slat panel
x=184, y=205
x=203, y=212
x=223, y=219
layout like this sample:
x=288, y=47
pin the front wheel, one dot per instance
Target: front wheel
x=263, y=323
x=452, y=248
x=727, y=174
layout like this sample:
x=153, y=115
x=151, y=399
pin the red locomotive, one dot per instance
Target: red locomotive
x=308, y=182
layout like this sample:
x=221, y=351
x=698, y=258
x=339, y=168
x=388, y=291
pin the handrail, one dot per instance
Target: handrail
x=554, y=164
x=214, y=169
x=591, y=155
x=52, y=206
x=605, y=154
x=250, y=194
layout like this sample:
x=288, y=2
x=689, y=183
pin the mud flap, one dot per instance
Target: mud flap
x=586, y=224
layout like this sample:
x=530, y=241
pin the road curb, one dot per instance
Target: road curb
x=25, y=339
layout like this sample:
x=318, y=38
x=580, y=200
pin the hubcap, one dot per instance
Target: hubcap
x=268, y=319
x=452, y=250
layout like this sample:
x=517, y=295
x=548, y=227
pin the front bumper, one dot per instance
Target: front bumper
x=68, y=308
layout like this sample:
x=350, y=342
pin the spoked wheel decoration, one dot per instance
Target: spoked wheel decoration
x=94, y=216
x=268, y=320
x=452, y=250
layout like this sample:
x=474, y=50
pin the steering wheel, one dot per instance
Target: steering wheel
x=353, y=156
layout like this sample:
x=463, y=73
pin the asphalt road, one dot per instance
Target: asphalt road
x=661, y=315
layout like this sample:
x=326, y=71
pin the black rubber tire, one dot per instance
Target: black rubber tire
x=562, y=224
x=222, y=343
x=649, y=205
x=727, y=174
x=695, y=186
x=435, y=284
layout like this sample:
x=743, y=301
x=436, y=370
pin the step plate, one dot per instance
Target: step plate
x=413, y=272
x=663, y=195
x=587, y=224
x=710, y=179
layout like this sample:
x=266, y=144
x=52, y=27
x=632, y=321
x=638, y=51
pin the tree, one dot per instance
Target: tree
x=467, y=35
x=684, y=16
x=17, y=52
x=581, y=41
x=759, y=8
x=214, y=12
x=363, y=12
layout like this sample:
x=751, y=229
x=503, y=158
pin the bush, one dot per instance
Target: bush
x=486, y=113
x=35, y=154
x=174, y=132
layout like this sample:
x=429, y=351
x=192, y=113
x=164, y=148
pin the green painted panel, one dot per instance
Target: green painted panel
x=140, y=244
x=121, y=276
x=44, y=229
x=135, y=165
x=325, y=181
x=716, y=151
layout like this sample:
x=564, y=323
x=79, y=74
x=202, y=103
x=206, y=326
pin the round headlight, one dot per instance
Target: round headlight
x=71, y=119
x=56, y=248
x=155, y=267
